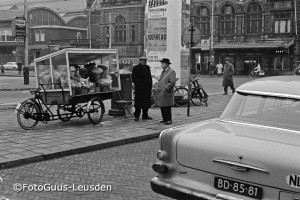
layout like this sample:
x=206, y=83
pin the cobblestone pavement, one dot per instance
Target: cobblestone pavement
x=127, y=169
x=56, y=139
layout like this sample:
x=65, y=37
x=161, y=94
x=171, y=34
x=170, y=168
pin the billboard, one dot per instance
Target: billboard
x=19, y=27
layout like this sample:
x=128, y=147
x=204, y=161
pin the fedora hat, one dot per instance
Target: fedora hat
x=227, y=58
x=143, y=58
x=165, y=60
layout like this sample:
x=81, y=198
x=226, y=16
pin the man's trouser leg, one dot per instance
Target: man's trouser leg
x=145, y=113
x=137, y=112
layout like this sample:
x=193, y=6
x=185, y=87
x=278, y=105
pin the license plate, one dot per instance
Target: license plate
x=17, y=108
x=238, y=188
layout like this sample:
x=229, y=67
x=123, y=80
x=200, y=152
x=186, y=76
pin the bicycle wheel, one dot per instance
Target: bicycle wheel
x=64, y=113
x=204, y=96
x=251, y=75
x=196, y=97
x=95, y=110
x=27, y=115
x=181, y=96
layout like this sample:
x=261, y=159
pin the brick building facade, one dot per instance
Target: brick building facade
x=249, y=32
x=123, y=23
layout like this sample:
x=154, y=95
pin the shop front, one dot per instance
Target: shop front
x=275, y=57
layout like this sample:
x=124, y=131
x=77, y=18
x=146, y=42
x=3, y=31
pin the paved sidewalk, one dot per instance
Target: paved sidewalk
x=56, y=138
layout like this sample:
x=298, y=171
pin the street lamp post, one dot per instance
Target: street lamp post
x=26, y=69
x=211, y=41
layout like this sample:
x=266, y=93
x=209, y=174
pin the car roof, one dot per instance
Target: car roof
x=279, y=86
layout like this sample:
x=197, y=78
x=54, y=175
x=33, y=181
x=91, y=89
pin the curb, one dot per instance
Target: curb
x=17, y=89
x=79, y=150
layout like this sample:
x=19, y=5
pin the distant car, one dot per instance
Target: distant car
x=249, y=152
x=11, y=66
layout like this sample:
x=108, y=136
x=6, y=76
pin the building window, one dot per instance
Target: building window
x=254, y=18
x=202, y=20
x=282, y=22
x=40, y=36
x=133, y=31
x=120, y=29
x=281, y=63
x=227, y=19
x=107, y=34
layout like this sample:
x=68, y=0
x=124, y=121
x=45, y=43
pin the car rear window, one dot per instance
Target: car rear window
x=264, y=110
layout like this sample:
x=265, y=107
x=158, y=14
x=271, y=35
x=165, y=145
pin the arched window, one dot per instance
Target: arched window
x=202, y=20
x=253, y=20
x=227, y=20
x=120, y=29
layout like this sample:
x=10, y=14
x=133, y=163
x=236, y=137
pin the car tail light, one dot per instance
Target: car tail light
x=160, y=168
x=161, y=155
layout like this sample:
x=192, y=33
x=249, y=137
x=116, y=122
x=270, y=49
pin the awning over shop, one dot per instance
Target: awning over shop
x=258, y=44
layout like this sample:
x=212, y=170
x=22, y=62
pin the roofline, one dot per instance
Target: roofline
x=78, y=50
x=289, y=96
x=58, y=27
x=114, y=7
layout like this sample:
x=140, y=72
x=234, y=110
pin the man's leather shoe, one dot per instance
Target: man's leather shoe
x=225, y=93
x=147, y=118
x=168, y=122
x=162, y=122
x=136, y=119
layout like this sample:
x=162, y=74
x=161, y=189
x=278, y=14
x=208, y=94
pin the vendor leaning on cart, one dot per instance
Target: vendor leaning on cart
x=75, y=73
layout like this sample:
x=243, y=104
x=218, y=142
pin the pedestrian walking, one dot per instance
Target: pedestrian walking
x=2, y=69
x=219, y=68
x=164, y=96
x=141, y=77
x=227, y=77
x=19, y=64
x=198, y=68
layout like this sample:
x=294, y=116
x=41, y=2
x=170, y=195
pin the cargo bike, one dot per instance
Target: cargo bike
x=59, y=97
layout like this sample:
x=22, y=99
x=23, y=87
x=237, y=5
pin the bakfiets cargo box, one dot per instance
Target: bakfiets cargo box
x=72, y=72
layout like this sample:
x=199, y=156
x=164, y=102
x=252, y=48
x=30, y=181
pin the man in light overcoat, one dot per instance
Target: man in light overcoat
x=227, y=76
x=164, y=96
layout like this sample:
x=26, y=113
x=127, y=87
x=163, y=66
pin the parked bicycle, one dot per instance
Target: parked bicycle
x=181, y=97
x=198, y=94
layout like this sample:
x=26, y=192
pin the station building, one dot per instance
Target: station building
x=250, y=32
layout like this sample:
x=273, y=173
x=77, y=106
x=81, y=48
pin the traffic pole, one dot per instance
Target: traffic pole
x=26, y=69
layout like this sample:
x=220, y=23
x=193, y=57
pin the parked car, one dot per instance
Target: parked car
x=249, y=152
x=11, y=66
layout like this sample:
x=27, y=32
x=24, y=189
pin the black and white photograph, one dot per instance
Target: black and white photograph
x=149, y=99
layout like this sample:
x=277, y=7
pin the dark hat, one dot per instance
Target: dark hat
x=165, y=60
x=76, y=66
x=227, y=58
x=143, y=58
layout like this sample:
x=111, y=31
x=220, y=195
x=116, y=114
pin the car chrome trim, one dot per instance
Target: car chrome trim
x=290, y=96
x=173, y=190
x=260, y=126
x=240, y=166
x=226, y=197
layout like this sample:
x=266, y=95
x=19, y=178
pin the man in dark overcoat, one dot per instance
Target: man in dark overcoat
x=141, y=77
x=227, y=76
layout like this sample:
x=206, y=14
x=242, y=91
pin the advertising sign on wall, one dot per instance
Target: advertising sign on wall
x=19, y=26
x=156, y=33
